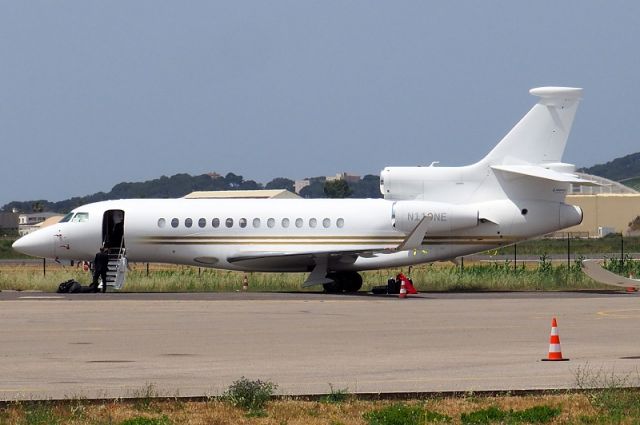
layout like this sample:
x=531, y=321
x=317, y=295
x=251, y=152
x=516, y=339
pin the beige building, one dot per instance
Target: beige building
x=606, y=213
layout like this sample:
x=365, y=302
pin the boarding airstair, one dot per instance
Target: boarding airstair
x=117, y=267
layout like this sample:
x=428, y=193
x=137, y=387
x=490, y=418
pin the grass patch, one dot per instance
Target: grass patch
x=493, y=276
x=493, y=414
x=142, y=420
x=555, y=408
x=40, y=414
x=403, y=414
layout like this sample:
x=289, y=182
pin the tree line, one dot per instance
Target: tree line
x=180, y=185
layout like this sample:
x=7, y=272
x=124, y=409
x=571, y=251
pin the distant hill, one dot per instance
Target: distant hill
x=181, y=184
x=619, y=169
x=633, y=183
x=625, y=169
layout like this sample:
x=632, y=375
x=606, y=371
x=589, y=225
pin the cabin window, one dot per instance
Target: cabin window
x=285, y=222
x=162, y=222
x=66, y=218
x=256, y=222
x=175, y=222
x=271, y=222
x=340, y=222
x=313, y=222
x=299, y=222
x=215, y=222
x=229, y=222
x=202, y=222
x=326, y=223
x=80, y=217
x=242, y=222
x=188, y=222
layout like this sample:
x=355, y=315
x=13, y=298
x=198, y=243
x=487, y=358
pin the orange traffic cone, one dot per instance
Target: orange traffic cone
x=555, y=353
x=403, y=290
x=245, y=283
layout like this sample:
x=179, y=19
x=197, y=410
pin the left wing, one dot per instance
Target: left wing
x=318, y=262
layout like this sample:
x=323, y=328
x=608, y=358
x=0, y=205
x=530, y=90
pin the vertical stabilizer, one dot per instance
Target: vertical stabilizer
x=541, y=135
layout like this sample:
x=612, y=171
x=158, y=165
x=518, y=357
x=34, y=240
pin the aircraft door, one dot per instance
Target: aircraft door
x=113, y=229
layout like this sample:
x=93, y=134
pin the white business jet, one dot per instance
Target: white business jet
x=428, y=214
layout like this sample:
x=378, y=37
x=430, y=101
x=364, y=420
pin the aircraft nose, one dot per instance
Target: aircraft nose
x=35, y=244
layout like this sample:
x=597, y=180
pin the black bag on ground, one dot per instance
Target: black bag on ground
x=393, y=286
x=69, y=286
x=379, y=290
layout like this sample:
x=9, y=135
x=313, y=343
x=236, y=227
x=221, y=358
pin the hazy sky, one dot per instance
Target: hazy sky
x=93, y=93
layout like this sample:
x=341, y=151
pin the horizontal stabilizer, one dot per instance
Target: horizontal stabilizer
x=544, y=173
x=595, y=271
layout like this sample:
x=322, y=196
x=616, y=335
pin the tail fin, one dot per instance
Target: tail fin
x=541, y=136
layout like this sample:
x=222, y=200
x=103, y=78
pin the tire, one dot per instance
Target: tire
x=351, y=282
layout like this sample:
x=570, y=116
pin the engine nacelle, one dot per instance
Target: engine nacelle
x=423, y=183
x=443, y=217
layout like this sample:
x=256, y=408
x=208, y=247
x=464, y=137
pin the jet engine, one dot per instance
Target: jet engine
x=443, y=217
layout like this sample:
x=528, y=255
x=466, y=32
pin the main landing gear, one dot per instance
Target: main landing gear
x=343, y=282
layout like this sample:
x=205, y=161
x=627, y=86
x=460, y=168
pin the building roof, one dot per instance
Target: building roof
x=51, y=220
x=242, y=194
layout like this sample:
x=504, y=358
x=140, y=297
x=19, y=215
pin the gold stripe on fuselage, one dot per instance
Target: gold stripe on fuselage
x=320, y=240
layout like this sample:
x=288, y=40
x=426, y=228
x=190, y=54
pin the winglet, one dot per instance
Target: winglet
x=414, y=239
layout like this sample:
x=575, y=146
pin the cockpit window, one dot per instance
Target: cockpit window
x=66, y=218
x=80, y=217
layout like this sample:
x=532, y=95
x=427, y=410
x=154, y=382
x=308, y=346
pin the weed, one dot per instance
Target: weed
x=250, y=395
x=144, y=396
x=402, y=414
x=336, y=395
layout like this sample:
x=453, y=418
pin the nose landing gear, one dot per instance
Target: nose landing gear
x=343, y=282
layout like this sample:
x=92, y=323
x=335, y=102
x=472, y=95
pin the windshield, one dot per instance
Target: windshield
x=80, y=217
x=66, y=218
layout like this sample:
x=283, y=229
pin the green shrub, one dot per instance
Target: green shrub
x=250, y=395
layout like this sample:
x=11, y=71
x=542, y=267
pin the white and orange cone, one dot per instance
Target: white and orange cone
x=555, y=352
x=403, y=290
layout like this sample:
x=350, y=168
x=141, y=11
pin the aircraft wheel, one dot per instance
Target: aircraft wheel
x=343, y=282
x=352, y=282
x=333, y=287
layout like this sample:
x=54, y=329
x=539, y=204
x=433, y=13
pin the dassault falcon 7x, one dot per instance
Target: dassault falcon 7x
x=431, y=213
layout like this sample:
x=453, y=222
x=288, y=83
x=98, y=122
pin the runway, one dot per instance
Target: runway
x=116, y=345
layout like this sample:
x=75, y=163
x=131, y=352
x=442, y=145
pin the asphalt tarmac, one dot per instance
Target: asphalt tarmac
x=123, y=345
